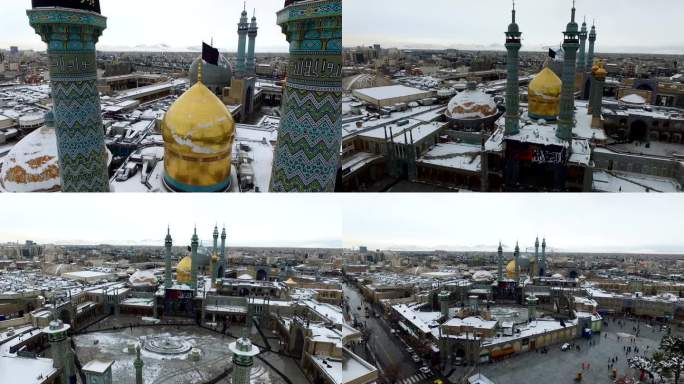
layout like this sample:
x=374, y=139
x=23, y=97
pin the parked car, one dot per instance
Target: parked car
x=565, y=347
x=416, y=358
x=425, y=370
x=409, y=349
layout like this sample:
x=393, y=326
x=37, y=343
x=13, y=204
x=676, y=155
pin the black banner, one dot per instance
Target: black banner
x=210, y=54
x=86, y=5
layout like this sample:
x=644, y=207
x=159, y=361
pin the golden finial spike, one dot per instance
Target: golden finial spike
x=199, y=71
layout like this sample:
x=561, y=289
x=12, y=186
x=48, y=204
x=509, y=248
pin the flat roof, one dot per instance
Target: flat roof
x=389, y=92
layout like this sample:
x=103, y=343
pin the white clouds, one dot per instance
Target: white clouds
x=179, y=24
x=634, y=25
x=647, y=223
x=251, y=220
x=587, y=222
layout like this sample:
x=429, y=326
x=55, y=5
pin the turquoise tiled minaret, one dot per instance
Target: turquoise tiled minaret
x=71, y=35
x=168, y=242
x=307, y=155
x=536, y=256
x=592, y=41
x=60, y=350
x=243, y=29
x=566, y=119
x=516, y=257
x=243, y=359
x=543, y=259
x=224, y=262
x=138, y=365
x=513, y=83
x=250, y=65
x=499, y=263
x=194, y=243
x=581, y=62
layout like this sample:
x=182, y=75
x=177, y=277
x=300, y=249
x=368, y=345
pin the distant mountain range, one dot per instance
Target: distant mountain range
x=162, y=47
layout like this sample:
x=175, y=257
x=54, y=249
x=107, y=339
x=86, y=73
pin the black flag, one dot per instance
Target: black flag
x=210, y=54
x=552, y=53
x=86, y=5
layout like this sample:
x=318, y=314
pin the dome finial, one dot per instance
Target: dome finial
x=513, y=11
x=199, y=71
x=573, y=11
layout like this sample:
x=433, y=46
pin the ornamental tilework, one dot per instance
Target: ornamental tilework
x=308, y=151
x=71, y=38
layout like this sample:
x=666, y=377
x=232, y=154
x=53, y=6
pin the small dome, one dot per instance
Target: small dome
x=198, y=133
x=471, y=104
x=544, y=96
x=245, y=276
x=143, y=278
x=483, y=276
x=557, y=276
x=32, y=164
x=215, y=77
x=633, y=99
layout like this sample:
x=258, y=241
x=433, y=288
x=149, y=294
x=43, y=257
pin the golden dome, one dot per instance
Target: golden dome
x=184, y=270
x=198, y=135
x=544, y=96
x=510, y=269
x=527, y=265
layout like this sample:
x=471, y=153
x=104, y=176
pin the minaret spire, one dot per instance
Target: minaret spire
x=566, y=120
x=513, y=83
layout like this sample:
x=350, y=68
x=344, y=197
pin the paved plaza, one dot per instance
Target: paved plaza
x=558, y=366
x=180, y=368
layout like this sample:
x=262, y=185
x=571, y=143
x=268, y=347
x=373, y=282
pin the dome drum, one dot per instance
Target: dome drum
x=471, y=109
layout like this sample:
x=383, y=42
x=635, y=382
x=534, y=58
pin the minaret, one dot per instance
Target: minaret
x=581, y=63
x=307, y=155
x=532, y=307
x=500, y=263
x=598, y=80
x=168, y=243
x=243, y=29
x=443, y=298
x=250, y=65
x=138, y=364
x=216, y=235
x=60, y=350
x=543, y=260
x=592, y=40
x=566, y=120
x=71, y=34
x=513, y=83
x=243, y=359
x=224, y=262
x=516, y=257
x=536, y=257
x=193, y=269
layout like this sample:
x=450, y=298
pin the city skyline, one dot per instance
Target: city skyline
x=607, y=223
x=481, y=25
x=172, y=26
x=280, y=221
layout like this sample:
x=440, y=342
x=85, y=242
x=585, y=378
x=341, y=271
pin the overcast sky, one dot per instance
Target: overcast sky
x=623, y=26
x=251, y=220
x=588, y=222
x=178, y=24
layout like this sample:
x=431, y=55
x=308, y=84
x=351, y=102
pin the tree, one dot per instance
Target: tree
x=668, y=361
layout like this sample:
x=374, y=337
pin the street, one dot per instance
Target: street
x=388, y=349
